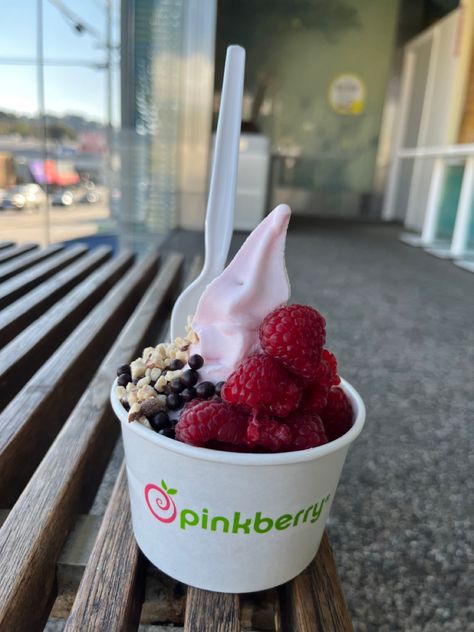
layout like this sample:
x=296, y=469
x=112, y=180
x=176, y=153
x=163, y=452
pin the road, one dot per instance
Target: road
x=69, y=222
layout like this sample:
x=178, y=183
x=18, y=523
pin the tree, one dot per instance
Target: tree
x=61, y=131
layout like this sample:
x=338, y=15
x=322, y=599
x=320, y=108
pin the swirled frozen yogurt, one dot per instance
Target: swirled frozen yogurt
x=232, y=307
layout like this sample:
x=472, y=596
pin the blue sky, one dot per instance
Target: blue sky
x=70, y=89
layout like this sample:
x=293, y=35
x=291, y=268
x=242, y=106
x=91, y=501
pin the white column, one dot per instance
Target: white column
x=432, y=205
x=389, y=210
x=421, y=168
x=196, y=101
x=464, y=212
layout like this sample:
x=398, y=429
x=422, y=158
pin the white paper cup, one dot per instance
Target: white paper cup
x=226, y=521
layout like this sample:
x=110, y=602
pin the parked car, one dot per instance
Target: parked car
x=90, y=195
x=66, y=196
x=24, y=196
x=75, y=195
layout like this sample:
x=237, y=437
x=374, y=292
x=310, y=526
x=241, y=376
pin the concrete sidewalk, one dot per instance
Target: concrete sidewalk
x=401, y=323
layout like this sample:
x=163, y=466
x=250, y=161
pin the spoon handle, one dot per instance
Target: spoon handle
x=219, y=223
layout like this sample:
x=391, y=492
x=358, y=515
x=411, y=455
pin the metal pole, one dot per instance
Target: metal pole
x=109, y=63
x=42, y=112
x=109, y=135
x=127, y=145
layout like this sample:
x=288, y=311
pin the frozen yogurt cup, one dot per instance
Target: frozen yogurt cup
x=227, y=521
x=252, y=379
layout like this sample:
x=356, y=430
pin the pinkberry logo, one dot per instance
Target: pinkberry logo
x=160, y=503
x=163, y=508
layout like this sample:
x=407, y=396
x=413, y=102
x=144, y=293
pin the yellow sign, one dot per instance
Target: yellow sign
x=346, y=94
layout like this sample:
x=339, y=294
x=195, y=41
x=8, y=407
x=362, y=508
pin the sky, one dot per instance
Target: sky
x=77, y=90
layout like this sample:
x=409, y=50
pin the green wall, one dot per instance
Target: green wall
x=294, y=50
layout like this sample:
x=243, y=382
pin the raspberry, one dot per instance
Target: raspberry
x=337, y=415
x=315, y=394
x=307, y=430
x=298, y=431
x=212, y=420
x=260, y=383
x=327, y=370
x=315, y=397
x=268, y=434
x=294, y=335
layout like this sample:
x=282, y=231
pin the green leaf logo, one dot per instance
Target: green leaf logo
x=171, y=491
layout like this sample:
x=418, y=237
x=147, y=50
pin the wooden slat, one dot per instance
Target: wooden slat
x=258, y=610
x=24, y=262
x=109, y=613
x=313, y=601
x=67, y=478
x=21, y=357
x=164, y=598
x=32, y=419
x=107, y=559
x=10, y=253
x=6, y=244
x=211, y=612
x=16, y=317
x=111, y=590
x=15, y=288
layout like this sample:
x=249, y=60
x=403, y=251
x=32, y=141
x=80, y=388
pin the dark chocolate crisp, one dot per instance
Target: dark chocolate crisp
x=218, y=388
x=174, y=401
x=190, y=377
x=176, y=365
x=196, y=361
x=123, y=379
x=160, y=421
x=176, y=385
x=205, y=390
x=188, y=394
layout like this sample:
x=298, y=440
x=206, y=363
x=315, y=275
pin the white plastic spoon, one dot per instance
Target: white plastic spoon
x=219, y=222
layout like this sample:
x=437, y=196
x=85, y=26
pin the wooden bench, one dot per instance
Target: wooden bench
x=68, y=317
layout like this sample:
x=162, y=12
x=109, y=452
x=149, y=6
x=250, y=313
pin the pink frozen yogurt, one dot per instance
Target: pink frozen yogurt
x=233, y=306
